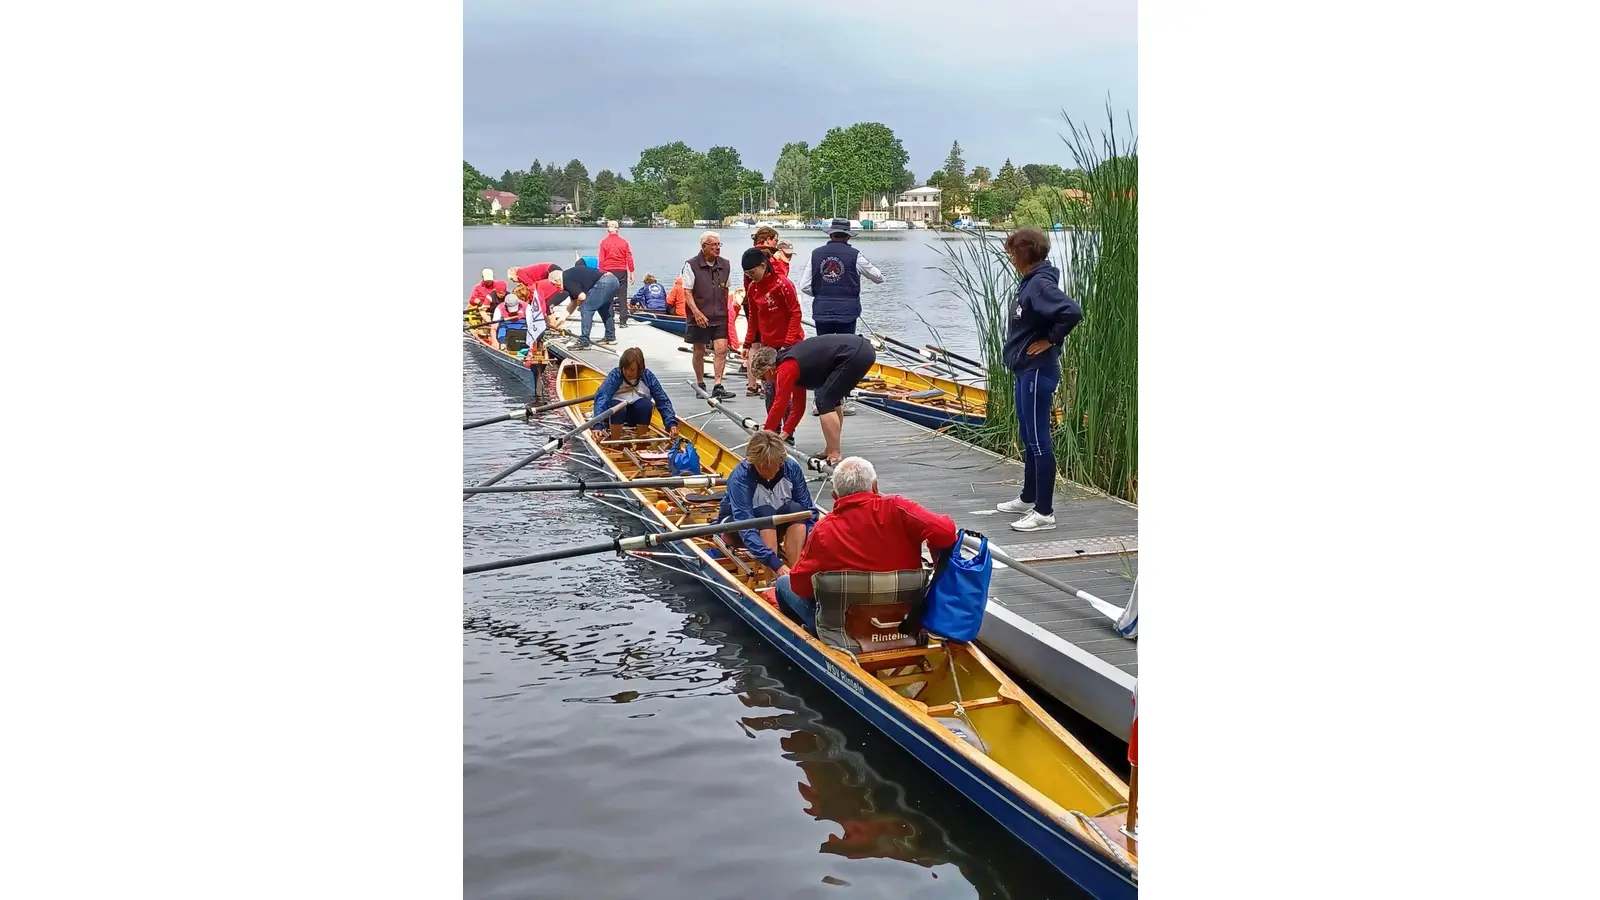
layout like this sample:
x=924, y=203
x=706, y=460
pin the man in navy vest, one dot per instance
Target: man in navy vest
x=833, y=279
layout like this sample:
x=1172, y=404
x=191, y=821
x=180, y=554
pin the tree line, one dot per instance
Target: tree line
x=848, y=166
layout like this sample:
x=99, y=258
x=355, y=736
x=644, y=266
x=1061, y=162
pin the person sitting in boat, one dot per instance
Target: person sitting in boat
x=675, y=297
x=768, y=483
x=650, y=296
x=772, y=312
x=512, y=314
x=632, y=382
x=866, y=531
x=482, y=290
x=829, y=364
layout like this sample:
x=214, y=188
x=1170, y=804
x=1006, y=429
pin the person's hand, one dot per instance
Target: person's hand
x=1038, y=347
x=673, y=431
x=700, y=319
x=782, y=571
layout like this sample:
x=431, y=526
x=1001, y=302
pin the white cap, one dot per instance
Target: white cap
x=488, y=275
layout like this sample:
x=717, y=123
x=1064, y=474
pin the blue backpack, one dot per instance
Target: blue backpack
x=683, y=459
x=959, y=592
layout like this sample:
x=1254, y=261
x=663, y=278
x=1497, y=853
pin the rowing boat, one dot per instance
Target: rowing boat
x=667, y=322
x=945, y=703
x=927, y=400
x=500, y=359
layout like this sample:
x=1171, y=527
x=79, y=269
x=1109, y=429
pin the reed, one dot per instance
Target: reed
x=1097, y=443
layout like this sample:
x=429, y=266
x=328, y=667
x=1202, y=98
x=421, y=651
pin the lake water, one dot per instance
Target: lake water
x=627, y=736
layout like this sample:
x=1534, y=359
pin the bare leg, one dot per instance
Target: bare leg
x=794, y=540
x=769, y=536
x=832, y=423
x=699, y=362
x=721, y=360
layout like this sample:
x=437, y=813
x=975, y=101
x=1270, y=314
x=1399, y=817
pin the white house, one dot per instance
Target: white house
x=919, y=205
x=500, y=202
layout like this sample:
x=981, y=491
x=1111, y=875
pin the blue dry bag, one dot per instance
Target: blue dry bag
x=683, y=459
x=959, y=592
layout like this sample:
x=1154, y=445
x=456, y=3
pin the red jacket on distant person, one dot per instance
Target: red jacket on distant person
x=532, y=275
x=482, y=294
x=615, y=254
x=869, y=532
x=773, y=312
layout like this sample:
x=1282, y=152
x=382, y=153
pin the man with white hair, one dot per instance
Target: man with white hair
x=866, y=532
x=705, y=277
x=616, y=257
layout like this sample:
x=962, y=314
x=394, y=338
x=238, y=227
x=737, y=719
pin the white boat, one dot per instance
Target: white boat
x=893, y=225
x=626, y=223
x=919, y=224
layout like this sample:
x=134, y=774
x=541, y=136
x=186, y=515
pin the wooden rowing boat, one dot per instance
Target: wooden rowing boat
x=1025, y=770
x=927, y=400
x=500, y=359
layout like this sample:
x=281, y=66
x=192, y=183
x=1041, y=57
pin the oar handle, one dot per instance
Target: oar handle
x=639, y=542
x=526, y=412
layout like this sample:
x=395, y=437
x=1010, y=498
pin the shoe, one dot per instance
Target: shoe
x=579, y=345
x=607, y=342
x=1034, y=521
x=702, y=386
x=789, y=439
x=722, y=393
x=752, y=392
x=1015, y=506
x=848, y=408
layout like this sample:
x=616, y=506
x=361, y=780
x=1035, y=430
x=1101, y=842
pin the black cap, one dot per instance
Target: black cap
x=753, y=257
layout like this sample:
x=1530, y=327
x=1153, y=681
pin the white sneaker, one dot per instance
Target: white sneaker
x=848, y=408
x=1014, y=506
x=1033, y=521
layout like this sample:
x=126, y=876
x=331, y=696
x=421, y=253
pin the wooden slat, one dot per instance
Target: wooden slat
x=949, y=709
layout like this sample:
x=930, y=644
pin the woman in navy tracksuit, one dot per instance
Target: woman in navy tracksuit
x=1041, y=318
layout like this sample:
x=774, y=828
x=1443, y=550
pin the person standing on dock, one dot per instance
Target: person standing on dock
x=772, y=309
x=829, y=364
x=833, y=279
x=866, y=532
x=706, y=277
x=590, y=290
x=616, y=257
x=632, y=382
x=1041, y=318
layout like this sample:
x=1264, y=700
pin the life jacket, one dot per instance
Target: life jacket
x=513, y=318
x=835, y=283
x=675, y=298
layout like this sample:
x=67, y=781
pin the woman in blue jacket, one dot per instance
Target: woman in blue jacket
x=638, y=385
x=650, y=296
x=1041, y=318
x=768, y=483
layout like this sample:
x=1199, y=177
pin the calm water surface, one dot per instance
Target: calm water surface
x=627, y=736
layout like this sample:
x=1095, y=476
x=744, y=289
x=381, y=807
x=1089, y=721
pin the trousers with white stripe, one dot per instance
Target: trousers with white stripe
x=1036, y=390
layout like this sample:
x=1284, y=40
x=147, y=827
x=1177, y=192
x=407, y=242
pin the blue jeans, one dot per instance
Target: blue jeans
x=805, y=609
x=1036, y=390
x=836, y=327
x=599, y=300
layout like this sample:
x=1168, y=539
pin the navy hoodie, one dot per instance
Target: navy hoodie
x=1040, y=312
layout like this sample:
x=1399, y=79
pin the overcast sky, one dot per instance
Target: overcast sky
x=602, y=81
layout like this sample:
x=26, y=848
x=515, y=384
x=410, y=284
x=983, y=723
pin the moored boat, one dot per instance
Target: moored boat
x=927, y=400
x=665, y=321
x=945, y=703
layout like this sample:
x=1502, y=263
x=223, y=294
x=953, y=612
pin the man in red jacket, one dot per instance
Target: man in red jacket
x=866, y=532
x=616, y=257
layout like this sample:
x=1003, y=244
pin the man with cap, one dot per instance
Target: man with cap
x=482, y=290
x=706, y=277
x=616, y=257
x=833, y=279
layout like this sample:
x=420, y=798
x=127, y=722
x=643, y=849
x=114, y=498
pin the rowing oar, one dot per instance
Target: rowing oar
x=625, y=544
x=955, y=356
x=819, y=464
x=752, y=426
x=930, y=355
x=526, y=412
x=551, y=446
x=878, y=342
x=687, y=481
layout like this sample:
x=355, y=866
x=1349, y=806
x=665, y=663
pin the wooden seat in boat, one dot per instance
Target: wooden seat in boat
x=862, y=611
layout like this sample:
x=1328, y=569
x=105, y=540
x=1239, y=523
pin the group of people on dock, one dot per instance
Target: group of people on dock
x=782, y=364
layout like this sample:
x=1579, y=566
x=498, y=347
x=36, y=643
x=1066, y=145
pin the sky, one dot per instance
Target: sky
x=601, y=81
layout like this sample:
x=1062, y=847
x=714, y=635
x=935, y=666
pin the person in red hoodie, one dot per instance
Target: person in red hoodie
x=482, y=291
x=529, y=275
x=772, y=312
x=866, y=532
x=616, y=257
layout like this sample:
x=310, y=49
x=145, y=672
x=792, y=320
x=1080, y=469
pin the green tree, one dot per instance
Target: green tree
x=711, y=186
x=576, y=178
x=750, y=190
x=1030, y=213
x=473, y=205
x=533, y=200
x=605, y=184
x=680, y=213
x=981, y=176
x=791, y=177
x=508, y=181
x=936, y=179
x=988, y=204
x=858, y=162
x=953, y=184
x=666, y=165
x=904, y=181
x=1012, y=186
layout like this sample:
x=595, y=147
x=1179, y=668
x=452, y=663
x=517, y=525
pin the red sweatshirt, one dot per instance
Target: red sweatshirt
x=532, y=275
x=870, y=533
x=787, y=394
x=774, y=312
x=615, y=254
x=481, y=294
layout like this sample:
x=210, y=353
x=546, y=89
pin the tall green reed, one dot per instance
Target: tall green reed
x=1098, y=442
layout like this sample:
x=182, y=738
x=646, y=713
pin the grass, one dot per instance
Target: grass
x=1097, y=443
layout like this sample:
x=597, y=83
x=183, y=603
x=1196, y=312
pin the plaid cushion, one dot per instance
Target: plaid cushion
x=861, y=611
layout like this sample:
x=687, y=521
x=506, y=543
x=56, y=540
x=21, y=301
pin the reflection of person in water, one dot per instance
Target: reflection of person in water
x=837, y=793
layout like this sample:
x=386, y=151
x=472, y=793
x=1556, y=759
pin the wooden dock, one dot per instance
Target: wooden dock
x=1057, y=641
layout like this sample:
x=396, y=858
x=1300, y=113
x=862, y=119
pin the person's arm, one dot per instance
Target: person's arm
x=690, y=310
x=627, y=248
x=602, y=397
x=804, y=284
x=937, y=530
x=738, y=491
x=793, y=334
x=866, y=268
x=669, y=418
x=788, y=371
x=638, y=296
x=752, y=322
x=797, y=407
x=1064, y=314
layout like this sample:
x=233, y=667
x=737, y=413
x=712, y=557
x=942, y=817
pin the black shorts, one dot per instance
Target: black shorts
x=713, y=330
x=842, y=380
